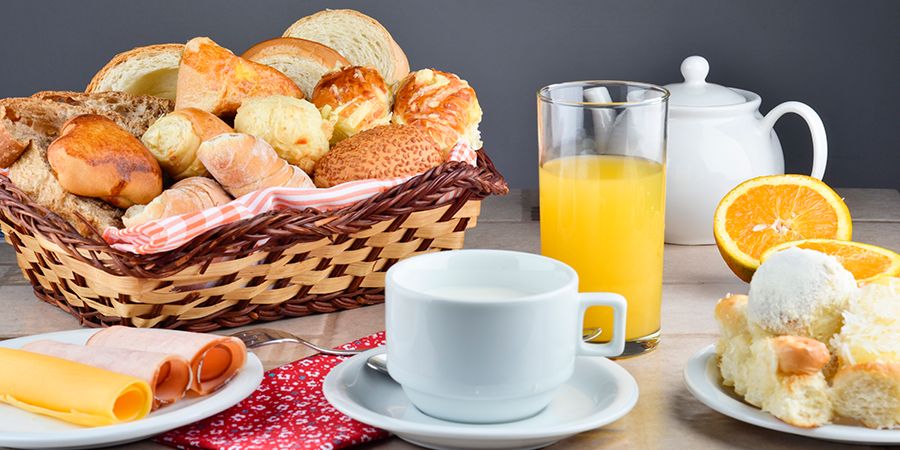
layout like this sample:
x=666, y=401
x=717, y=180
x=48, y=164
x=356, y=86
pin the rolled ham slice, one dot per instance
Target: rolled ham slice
x=168, y=374
x=71, y=391
x=214, y=359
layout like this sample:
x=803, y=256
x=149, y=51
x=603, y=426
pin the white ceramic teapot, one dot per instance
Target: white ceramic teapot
x=718, y=139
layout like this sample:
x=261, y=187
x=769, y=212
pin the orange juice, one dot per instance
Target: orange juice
x=603, y=215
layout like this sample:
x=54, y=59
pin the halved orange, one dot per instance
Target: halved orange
x=769, y=210
x=866, y=262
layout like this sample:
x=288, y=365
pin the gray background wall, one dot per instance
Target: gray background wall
x=840, y=57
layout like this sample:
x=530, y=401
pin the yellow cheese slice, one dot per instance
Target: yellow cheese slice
x=71, y=391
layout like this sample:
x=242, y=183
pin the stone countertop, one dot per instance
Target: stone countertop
x=666, y=415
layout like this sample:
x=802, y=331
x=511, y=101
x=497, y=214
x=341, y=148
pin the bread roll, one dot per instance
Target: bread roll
x=244, y=163
x=186, y=196
x=382, y=152
x=356, y=98
x=356, y=36
x=213, y=79
x=174, y=139
x=151, y=70
x=293, y=127
x=440, y=104
x=95, y=157
x=868, y=392
x=303, y=61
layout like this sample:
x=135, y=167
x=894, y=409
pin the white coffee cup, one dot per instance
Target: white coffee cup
x=487, y=336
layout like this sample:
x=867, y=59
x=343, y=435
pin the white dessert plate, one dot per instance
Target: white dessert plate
x=702, y=377
x=21, y=429
x=598, y=393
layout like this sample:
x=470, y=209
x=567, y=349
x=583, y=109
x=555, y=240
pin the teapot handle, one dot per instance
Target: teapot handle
x=816, y=129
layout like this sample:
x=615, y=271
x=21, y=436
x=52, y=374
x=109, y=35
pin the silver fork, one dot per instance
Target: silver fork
x=258, y=337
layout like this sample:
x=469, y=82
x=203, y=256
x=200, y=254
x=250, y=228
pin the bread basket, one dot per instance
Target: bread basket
x=283, y=263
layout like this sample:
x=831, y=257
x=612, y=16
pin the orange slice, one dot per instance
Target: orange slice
x=765, y=211
x=866, y=262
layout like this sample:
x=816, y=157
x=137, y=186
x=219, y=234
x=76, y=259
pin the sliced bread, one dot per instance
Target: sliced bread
x=151, y=70
x=301, y=60
x=356, y=36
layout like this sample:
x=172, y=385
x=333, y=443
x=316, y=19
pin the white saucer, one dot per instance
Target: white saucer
x=599, y=393
x=21, y=429
x=702, y=377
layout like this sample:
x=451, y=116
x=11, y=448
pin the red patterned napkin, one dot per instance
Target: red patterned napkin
x=287, y=411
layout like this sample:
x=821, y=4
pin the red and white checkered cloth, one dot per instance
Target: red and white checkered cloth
x=287, y=411
x=172, y=232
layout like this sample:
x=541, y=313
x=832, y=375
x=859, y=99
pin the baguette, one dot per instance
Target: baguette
x=174, y=139
x=243, y=163
x=214, y=79
x=303, y=61
x=150, y=70
x=186, y=196
x=356, y=36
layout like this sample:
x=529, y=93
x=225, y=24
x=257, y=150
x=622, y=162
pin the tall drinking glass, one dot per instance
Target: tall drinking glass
x=602, y=172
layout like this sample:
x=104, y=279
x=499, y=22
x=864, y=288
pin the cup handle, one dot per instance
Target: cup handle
x=614, y=347
x=816, y=129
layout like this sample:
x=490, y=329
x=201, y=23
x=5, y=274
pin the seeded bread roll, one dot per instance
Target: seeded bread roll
x=186, y=196
x=95, y=157
x=293, y=127
x=244, y=163
x=356, y=36
x=382, y=152
x=356, y=98
x=214, y=79
x=174, y=139
x=150, y=70
x=440, y=104
x=303, y=61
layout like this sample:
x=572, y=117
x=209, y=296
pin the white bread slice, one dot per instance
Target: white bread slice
x=303, y=61
x=356, y=36
x=33, y=124
x=150, y=70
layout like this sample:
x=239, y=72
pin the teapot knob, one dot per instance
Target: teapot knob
x=695, y=69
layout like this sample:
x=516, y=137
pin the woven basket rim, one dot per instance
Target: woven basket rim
x=270, y=231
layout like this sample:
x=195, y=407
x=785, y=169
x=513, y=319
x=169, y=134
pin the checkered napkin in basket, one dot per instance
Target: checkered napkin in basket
x=287, y=411
x=172, y=232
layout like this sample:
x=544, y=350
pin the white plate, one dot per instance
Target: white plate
x=598, y=393
x=702, y=377
x=21, y=429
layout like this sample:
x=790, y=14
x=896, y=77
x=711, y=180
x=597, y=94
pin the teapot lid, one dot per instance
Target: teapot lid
x=695, y=91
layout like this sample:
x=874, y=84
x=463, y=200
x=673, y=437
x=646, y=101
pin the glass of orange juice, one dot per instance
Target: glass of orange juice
x=602, y=174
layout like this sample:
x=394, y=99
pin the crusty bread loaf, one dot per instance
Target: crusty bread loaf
x=303, y=61
x=382, y=152
x=293, y=127
x=356, y=98
x=440, y=104
x=151, y=70
x=95, y=157
x=356, y=36
x=214, y=79
x=244, y=163
x=174, y=139
x=35, y=122
x=186, y=196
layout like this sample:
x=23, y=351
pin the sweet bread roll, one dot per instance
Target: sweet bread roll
x=356, y=98
x=868, y=392
x=303, y=61
x=151, y=70
x=214, y=79
x=382, y=152
x=244, y=163
x=95, y=157
x=293, y=127
x=174, y=139
x=186, y=196
x=440, y=104
x=356, y=36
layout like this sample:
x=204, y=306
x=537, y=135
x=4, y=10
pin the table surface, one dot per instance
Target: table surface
x=666, y=415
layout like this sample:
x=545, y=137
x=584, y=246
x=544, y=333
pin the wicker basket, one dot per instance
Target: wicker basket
x=277, y=264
